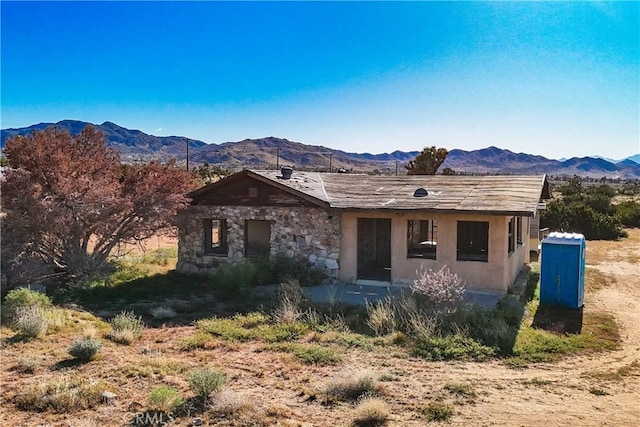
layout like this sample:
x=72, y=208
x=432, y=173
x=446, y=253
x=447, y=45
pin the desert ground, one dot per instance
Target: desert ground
x=272, y=388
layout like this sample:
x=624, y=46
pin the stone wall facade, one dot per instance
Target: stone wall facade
x=310, y=233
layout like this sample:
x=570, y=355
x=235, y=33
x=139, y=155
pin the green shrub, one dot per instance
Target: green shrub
x=310, y=354
x=126, y=328
x=205, y=381
x=234, y=281
x=451, y=347
x=192, y=342
x=438, y=411
x=495, y=328
x=164, y=398
x=22, y=297
x=628, y=213
x=281, y=332
x=30, y=321
x=228, y=329
x=84, y=349
x=285, y=268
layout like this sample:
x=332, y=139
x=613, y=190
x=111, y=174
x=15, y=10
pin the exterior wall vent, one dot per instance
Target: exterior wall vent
x=286, y=172
x=420, y=192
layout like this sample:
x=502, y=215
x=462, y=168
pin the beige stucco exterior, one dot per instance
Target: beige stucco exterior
x=496, y=275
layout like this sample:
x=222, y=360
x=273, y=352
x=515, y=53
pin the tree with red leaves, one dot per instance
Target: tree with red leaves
x=67, y=201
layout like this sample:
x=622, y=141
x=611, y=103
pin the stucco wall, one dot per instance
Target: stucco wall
x=495, y=275
x=310, y=233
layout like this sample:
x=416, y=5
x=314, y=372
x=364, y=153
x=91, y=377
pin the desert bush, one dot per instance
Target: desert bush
x=234, y=281
x=25, y=365
x=289, y=298
x=126, y=327
x=496, y=328
x=164, y=398
x=22, y=297
x=160, y=256
x=62, y=395
x=461, y=390
x=228, y=402
x=438, y=411
x=350, y=385
x=284, y=268
x=414, y=320
x=309, y=354
x=228, y=329
x=441, y=289
x=193, y=342
x=628, y=213
x=84, y=349
x=381, y=316
x=205, y=381
x=371, y=412
x=163, y=313
x=30, y=321
x=282, y=331
x=577, y=215
x=451, y=347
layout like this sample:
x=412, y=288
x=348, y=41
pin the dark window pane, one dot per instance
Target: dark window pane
x=422, y=238
x=473, y=241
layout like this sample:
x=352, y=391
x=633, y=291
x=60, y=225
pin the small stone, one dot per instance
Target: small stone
x=313, y=258
x=331, y=264
x=197, y=421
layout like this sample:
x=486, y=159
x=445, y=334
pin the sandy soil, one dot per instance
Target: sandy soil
x=276, y=388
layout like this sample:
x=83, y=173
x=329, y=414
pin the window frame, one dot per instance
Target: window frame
x=431, y=236
x=248, y=248
x=466, y=252
x=511, y=236
x=222, y=249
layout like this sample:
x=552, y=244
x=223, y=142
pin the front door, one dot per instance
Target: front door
x=374, y=249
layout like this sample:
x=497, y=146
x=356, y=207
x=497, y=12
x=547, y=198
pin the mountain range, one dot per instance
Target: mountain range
x=262, y=153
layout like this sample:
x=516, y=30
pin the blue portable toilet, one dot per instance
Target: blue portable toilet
x=562, y=264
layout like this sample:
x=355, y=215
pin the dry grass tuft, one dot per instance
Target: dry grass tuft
x=371, y=412
x=228, y=403
x=63, y=394
x=350, y=385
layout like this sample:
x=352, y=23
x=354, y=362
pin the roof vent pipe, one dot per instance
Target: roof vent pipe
x=286, y=172
x=420, y=192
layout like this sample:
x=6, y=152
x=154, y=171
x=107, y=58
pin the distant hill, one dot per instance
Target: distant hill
x=266, y=152
x=133, y=144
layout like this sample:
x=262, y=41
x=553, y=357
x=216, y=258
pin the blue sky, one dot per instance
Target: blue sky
x=555, y=79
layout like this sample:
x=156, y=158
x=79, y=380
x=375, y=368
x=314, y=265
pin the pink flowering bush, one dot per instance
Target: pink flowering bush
x=442, y=289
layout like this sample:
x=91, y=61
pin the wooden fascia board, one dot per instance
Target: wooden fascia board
x=286, y=188
x=440, y=211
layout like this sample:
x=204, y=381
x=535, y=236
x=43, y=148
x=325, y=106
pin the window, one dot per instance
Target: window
x=215, y=237
x=511, y=235
x=519, y=230
x=257, y=237
x=422, y=237
x=473, y=241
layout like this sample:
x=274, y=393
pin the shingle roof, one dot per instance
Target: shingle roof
x=501, y=195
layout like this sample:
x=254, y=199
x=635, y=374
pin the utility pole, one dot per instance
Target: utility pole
x=396, y=167
x=187, y=154
x=330, y=156
x=277, y=158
